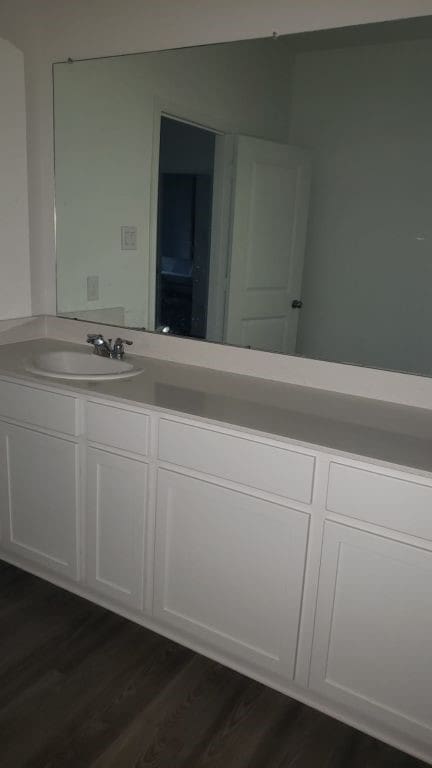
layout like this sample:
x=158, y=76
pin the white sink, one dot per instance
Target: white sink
x=80, y=366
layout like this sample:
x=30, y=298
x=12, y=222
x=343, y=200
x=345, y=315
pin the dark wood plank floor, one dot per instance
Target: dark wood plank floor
x=83, y=688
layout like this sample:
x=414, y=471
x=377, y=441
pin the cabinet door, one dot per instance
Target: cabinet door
x=373, y=637
x=4, y=486
x=229, y=570
x=116, y=509
x=39, y=499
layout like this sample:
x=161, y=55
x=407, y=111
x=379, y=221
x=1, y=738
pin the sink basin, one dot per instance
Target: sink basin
x=80, y=366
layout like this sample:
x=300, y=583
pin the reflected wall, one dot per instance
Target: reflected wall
x=355, y=100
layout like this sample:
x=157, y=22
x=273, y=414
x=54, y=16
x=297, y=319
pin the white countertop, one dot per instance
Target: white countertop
x=365, y=428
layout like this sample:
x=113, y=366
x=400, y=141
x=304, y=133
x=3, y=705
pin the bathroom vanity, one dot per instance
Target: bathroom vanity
x=240, y=519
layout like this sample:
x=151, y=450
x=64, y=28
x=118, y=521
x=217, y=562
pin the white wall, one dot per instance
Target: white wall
x=53, y=30
x=14, y=239
x=366, y=114
x=106, y=134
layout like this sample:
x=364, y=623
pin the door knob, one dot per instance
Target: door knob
x=297, y=304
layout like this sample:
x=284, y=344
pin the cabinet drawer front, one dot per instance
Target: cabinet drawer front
x=229, y=570
x=117, y=427
x=255, y=464
x=403, y=505
x=38, y=407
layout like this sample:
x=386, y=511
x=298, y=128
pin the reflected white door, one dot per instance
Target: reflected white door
x=270, y=209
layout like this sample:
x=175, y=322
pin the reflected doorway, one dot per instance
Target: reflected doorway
x=186, y=173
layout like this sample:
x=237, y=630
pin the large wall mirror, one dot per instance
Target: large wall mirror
x=273, y=193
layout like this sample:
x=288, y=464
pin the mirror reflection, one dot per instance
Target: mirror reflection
x=273, y=194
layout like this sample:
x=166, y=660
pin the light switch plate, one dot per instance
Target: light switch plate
x=128, y=238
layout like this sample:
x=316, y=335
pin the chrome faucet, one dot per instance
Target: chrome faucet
x=106, y=347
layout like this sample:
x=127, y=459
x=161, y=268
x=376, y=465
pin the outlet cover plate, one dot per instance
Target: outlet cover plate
x=128, y=238
x=92, y=287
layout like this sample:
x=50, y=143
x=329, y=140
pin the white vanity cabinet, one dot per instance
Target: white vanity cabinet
x=373, y=638
x=39, y=471
x=116, y=503
x=311, y=571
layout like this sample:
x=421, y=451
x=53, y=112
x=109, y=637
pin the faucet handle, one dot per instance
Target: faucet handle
x=92, y=337
x=118, y=347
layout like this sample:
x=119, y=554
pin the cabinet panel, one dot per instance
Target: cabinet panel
x=249, y=462
x=372, y=645
x=4, y=485
x=229, y=570
x=118, y=427
x=116, y=509
x=39, y=408
x=395, y=503
x=39, y=498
